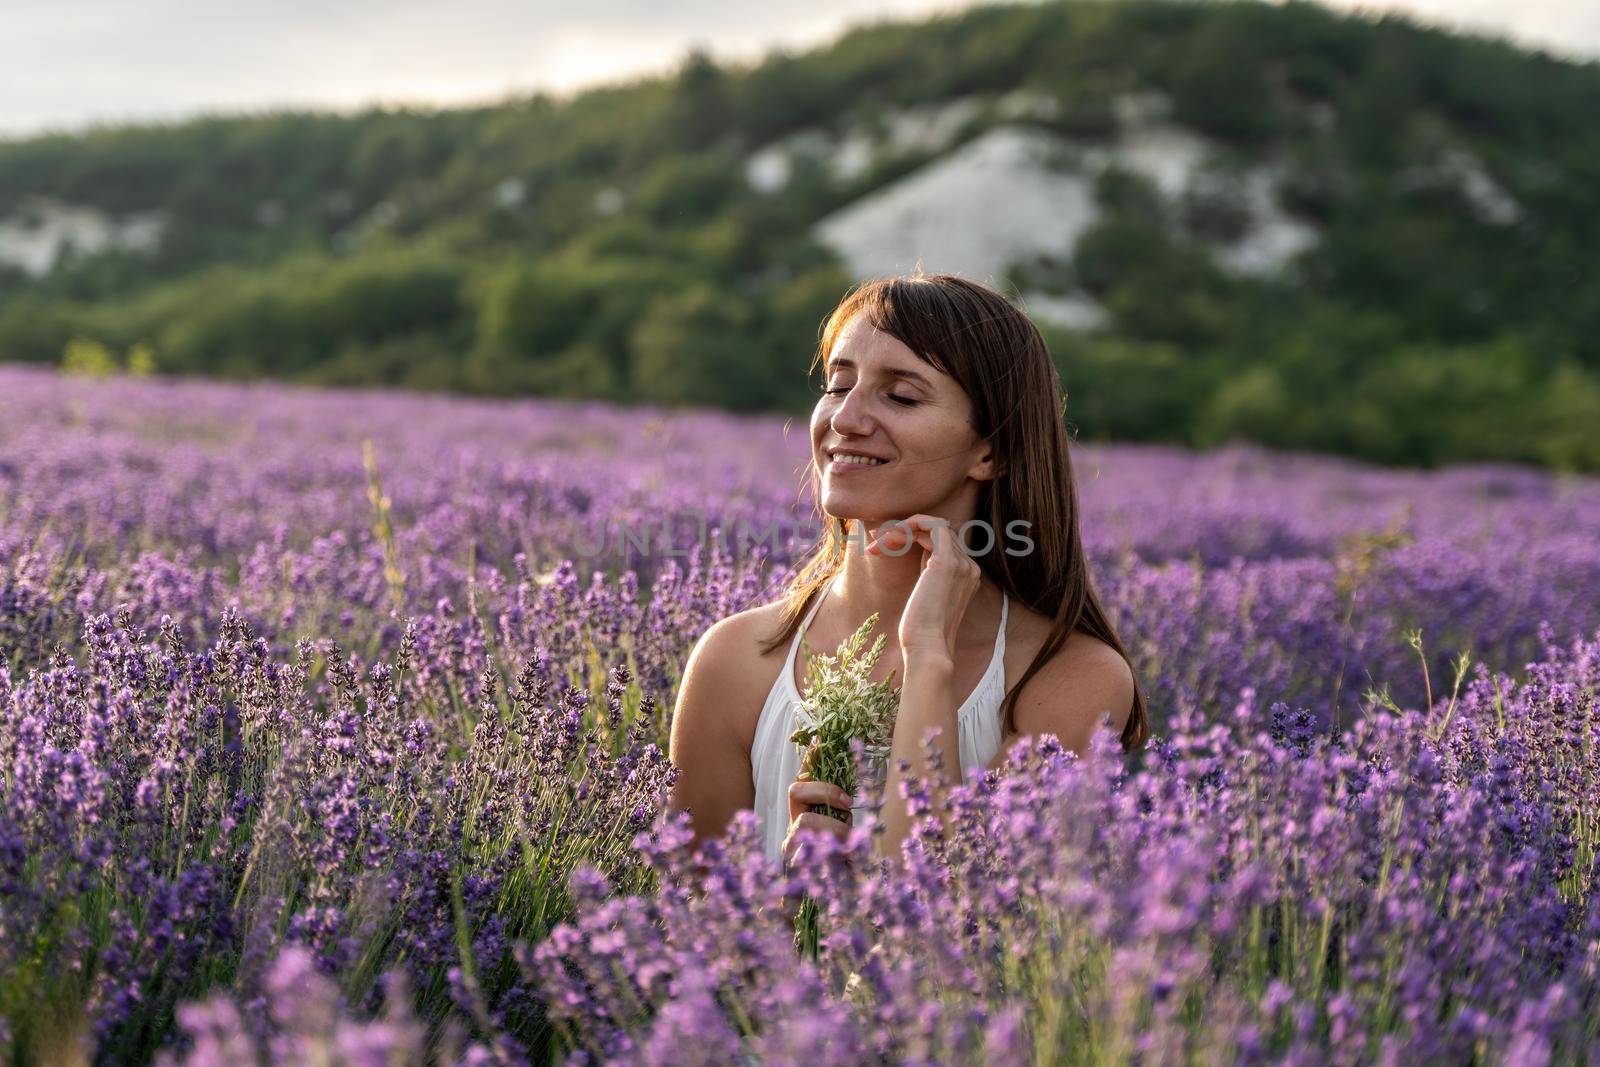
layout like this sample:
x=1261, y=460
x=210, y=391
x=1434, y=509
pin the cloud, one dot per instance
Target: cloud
x=66, y=65
x=116, y=60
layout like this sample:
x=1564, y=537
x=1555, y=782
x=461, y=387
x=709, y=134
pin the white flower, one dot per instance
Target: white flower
x=840, y=705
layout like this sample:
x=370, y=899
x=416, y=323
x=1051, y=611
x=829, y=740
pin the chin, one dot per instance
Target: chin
x=842, y=507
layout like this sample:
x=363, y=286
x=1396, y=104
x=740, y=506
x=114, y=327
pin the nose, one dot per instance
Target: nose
x=850, y=418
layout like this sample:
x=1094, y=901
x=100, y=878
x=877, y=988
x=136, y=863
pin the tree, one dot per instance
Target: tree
x=694, y=348
x=701, y=109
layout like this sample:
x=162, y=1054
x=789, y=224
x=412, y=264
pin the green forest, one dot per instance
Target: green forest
x=609, y=245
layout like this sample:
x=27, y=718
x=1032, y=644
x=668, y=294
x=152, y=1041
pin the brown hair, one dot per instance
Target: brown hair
x=978, y=337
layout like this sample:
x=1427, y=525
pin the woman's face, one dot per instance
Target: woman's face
x=881, y=401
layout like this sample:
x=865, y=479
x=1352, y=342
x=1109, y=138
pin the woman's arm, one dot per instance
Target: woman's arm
x=927, y=699
x=928, y=629
x=713, y=761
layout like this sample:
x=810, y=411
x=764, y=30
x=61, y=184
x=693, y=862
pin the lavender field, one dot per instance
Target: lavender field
x=333, y=729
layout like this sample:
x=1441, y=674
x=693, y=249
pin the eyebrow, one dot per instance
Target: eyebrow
x=893, y=372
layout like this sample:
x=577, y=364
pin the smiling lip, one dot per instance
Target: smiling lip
x=836, y=467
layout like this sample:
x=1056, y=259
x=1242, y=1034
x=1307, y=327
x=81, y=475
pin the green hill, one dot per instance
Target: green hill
x=1233, y=219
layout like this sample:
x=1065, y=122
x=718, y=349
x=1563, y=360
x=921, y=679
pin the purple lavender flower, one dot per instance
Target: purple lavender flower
x=264, y=802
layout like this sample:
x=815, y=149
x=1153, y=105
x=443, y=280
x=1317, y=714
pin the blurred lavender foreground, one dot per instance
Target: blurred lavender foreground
x=317, y=752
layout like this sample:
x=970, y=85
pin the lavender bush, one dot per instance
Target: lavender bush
x=1416, y=890
x=332, y=728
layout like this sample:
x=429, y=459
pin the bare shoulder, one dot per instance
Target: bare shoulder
x=719, y=700
x=727, y=662
x=1085, y=679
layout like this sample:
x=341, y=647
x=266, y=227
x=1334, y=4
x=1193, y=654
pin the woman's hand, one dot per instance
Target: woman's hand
x=949, y=578
x=802, y=794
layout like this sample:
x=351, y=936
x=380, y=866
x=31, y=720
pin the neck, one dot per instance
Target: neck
x=877, y=583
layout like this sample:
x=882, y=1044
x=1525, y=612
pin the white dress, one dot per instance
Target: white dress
x=775, y=760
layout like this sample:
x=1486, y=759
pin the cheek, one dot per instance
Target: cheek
x=819, y=434
x=938, y=453
x=931, y=440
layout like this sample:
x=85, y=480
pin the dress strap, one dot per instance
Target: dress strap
x=997, y=657
x=805, y=624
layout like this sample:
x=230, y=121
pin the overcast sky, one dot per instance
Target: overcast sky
x=67, y=64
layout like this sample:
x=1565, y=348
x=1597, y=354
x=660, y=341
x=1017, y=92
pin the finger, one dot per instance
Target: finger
x=811, y=820
x=803, y=807
x=828, y=824
x=896, y=535
x=931, y=544
x=790, y=843
x=932, y=532
x=891, y=536
x=804, y=793
x=935, y=534
x=941, y=540
x=923, y=521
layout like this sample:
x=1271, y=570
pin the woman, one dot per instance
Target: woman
x=940, y=464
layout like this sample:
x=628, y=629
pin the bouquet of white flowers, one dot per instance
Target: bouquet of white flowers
x=841, y=714
x=841, y=706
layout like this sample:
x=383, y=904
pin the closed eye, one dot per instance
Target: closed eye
x=904, y=401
